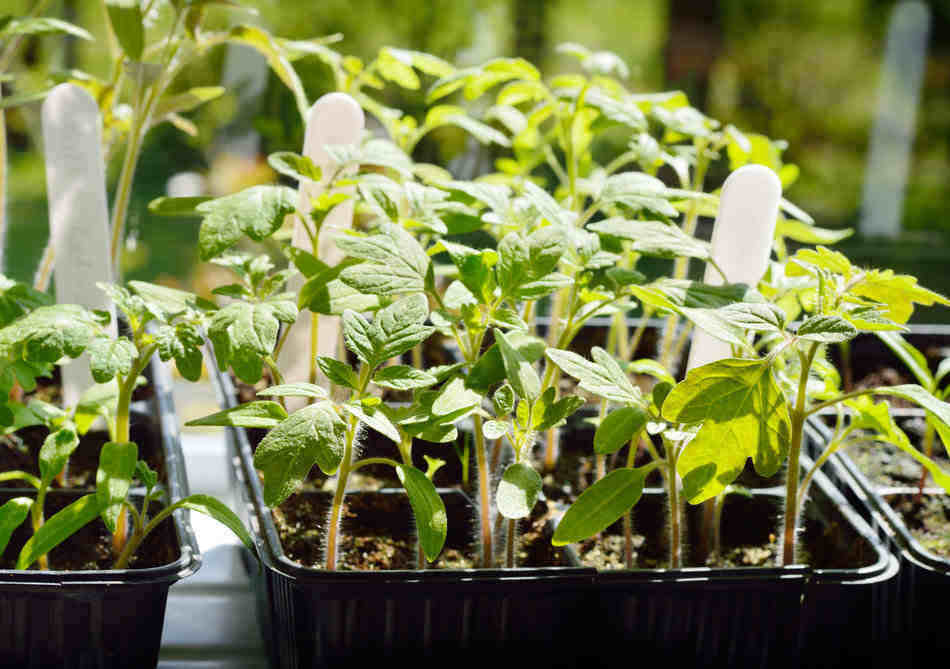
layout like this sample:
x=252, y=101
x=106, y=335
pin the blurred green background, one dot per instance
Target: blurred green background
x=806, y=71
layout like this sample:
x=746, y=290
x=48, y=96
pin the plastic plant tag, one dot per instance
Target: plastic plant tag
x=741, y=243
x=334, y=119
x=78, y=212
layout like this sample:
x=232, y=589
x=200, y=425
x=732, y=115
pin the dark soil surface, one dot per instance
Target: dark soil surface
x=751, y=527
x=378, y=532
x=927, y=519
x=21, y=451
x=91, y=546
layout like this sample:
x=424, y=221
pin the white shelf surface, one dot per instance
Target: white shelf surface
x=210, y=620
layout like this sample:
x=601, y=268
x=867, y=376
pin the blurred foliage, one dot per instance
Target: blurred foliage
x=801, y=70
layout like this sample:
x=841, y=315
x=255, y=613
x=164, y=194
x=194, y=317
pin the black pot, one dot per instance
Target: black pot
x=313, y=617
x=754, y=616
x=919, y=599
x=105, y=618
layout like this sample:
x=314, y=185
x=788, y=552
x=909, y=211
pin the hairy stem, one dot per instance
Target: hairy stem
x=484, y=495
x=510, y=545
x=676, y=557
x=798, y=415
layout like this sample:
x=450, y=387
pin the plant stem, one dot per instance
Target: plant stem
x=510, y=546
x=928, y=451
x=122, y=432
x=676, y=557
x=628, y=516
x=484, y=494
x=718, y=504
x=344, y=474
x=337, y=508
x=314, y=346
x=37, y=514
x=798, y=414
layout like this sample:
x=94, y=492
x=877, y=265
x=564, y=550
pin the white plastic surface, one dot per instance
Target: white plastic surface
x=741, y=243
x=334, y=119
x=78, y=211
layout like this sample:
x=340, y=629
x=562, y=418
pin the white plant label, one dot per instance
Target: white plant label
x=741, y=243
x=78, y=211
x=334, y=119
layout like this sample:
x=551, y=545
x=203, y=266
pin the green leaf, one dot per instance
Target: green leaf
x=396, y=262
x=809, y=234
x=263, y=413
x=490, y=368
x=618, y=428
x=394, y=69
x=399, y=327
x=265, y=44
x=375, y=418
x=827, y=329
x=877, y=417
x=325, y=293
x=518, y=491
x=257, y=212
x=910, y=356
x=110, y=357
x=402, y=377
x=356, y=335
x=216, y=509
x=494, y=429
x=183, y=102
x=12, y=101
x=555, y=413
x=600, y=505
x=428, y=509
x=99, y=400
x=177, y=206
x=637, y=191
x=312, y=435
x=503, y=400
x=338, y=372
x=520, y=373
x=55, y=452
x=300, y=389
x=12, y=515
x=40, y=26
x=48, y=333
x=58, y=528
x=127, y=24
x=293, y=165
x=602, y=376
x=743, y=414
x=117, y=461
x=145, y=474
x=454, y=398
x=757, y=317
x=654, y=238
x=899, y=292
x=182, y=342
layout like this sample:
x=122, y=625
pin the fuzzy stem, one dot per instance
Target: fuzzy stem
x=718, y=504
x=628, y=516
x=510, y=546
x=314, y=347
x=123, y=434
x=337, y=508
x=798, y=414
x=484, y=494
x=37, y=514
x=676, y=557
x=928, y=451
